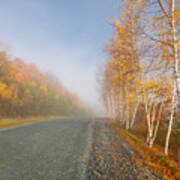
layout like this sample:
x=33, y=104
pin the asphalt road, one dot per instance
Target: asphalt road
x=69, y=149
x=47, y=150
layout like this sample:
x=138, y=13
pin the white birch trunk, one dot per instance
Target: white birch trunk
x=134, y=114
x=109, y=106
x=151, y=111
x=155, y=129
x=152, y=125
x=127, y=117
x=148, y=112
x=158, y=120
x=113, y=105
x=170, y=120
x=175, y=48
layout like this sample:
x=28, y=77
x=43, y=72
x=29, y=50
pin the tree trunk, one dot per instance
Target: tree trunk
x=156, y=126
x=113, y=105
x=134, y=115
x=127, y=117
x=152, y=125
x=148, y=112
x=175, y=48
x=170, y=120
x=109, y=102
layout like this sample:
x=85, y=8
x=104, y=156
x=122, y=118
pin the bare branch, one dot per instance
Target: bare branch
x=157, y=40
x=163, y=9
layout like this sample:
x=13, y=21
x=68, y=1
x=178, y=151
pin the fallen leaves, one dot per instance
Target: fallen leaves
x=109, y=159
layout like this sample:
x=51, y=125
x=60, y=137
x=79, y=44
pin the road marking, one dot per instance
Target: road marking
x=17, y=126
x=24, y=125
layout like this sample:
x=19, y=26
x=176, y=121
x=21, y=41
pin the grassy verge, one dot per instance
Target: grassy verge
x=166, y=167
x=10, y=122
x=140, y=130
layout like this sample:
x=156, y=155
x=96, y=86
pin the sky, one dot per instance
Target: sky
x=60, y=36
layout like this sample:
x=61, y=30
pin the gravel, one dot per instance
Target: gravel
x=112, y=158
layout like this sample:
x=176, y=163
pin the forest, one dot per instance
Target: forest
x=27, y=92
x=123, y=122
x=139, y=80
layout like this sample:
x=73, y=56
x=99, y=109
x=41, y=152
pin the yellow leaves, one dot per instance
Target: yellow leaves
x=150, y=19
x=19, y=77
x=117, y=23
x=32, y=84
x=156, y=87
x=130, y=98
x=110, y=21
x=145, y=99
x=129, y=77
x=120, y=42
x=112, y=63
x=116, y=53
x=2, y=87
x=152, y=83
x=43, y=88
x=176, y=13
x=158, y=46
x=128, y=66
x=7, y=94
x=164, y=58
x=115, y=77
x=142, y=91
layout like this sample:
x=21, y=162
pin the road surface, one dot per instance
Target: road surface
x=66, y=149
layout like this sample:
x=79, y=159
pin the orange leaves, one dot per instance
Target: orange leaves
x=29, y=92
x=2, y=87
x=114, y=158
x=130, y=98
x=23, y=70
x=4, y=92
x=19, y=77
x=153, y=157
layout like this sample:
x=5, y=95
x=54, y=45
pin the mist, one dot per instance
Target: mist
x=59, y=40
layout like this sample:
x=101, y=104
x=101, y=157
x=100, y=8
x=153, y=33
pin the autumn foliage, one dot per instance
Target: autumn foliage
x=25, y=91
x=140, y=81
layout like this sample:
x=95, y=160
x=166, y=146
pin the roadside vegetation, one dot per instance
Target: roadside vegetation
x=10, y=122
x=140, y=79
x=166, y=166
x=27, y=94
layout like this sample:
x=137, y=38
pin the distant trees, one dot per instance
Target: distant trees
x=25, y=91
x=142, y=67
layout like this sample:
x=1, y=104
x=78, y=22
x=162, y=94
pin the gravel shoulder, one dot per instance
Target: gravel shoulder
x=112, y=158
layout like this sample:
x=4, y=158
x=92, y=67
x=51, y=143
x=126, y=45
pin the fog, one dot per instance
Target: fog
x=62, y=38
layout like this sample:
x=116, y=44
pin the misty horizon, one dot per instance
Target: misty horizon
x=60, y=41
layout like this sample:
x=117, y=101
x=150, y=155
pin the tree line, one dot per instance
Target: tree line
x=25, y=91
x=141, y=73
